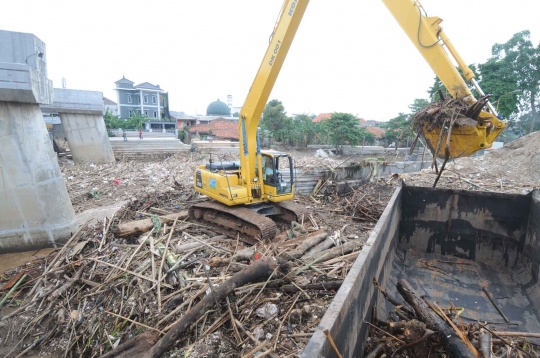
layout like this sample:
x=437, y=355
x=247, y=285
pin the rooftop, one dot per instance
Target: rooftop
x=107, y=101
x=378, y=132
x=321, y=117
x=220, y=127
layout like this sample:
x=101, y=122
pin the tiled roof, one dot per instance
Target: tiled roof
x=108, y=101
x=124, y=80
x=322, y=117
x=221, y=128
x=378, y=132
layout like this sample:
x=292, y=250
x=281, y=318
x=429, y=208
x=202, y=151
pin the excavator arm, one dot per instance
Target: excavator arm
x=257, y=177
x=289, y=19
x=434, y=45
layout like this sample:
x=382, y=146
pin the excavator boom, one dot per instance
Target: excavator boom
x=257, y=180
x=434, y=45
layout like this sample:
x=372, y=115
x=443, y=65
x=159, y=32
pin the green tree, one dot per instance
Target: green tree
x=136, y=121
x=417, y=105
x=111, y=121
x=366, y=137
x=433, y=91
x=497, y=79
x=395, y=128
x=523, y=59
x=305, y=130
x=275, y=120
x=343, y=128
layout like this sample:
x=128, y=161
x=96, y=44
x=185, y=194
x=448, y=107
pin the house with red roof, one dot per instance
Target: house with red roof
x=321, y=117
x=377, y=132
x=219, y=129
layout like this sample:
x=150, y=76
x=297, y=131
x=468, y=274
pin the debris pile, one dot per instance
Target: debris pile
x=419, y=327
x=92, y=185
x=510, y=169
x=515, y=162
x=150, y=279
x=440, y=114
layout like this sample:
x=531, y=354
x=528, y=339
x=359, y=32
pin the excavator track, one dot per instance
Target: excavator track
x=247, y=220
x=238, y=218
x=293, y=211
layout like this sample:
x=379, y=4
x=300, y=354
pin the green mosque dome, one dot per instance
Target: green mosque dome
x=218, y=108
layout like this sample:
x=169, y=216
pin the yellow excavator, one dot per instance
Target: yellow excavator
x=249, y=193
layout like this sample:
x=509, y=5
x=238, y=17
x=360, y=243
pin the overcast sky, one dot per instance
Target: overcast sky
x=348, y=55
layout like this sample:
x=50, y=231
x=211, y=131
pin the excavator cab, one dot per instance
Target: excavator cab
x=274, y=166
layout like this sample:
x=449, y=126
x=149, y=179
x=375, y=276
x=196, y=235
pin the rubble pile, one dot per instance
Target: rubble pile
x=515, y=162
x=510, y=169
x=92, y=185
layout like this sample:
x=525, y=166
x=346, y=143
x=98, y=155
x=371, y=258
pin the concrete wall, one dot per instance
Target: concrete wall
x=87, y=138
x=81, y=113
x=307, y=177
x=35, y=208
x=23, y=74
x=75, y=101
x=57, y=131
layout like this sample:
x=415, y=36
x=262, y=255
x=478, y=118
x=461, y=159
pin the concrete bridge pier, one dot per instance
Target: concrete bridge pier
x=35, y=209
x=81, y=114
x=87, y=137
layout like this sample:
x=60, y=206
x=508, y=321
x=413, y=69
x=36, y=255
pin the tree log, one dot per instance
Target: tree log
x=194, y=245
x=326, y=244
x=308, y=242
x=261, y=269
x=142, y=226
x=338, y=251
x=452, y=343
x=136, y=345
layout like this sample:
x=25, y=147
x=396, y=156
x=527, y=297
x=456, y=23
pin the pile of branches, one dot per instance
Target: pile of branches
x=444, y=115
x=439, y=114
x=420, y=328
x=362, y=203
x=151, y=282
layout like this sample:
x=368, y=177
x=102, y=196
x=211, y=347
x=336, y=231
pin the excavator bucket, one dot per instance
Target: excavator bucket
x=455, y=128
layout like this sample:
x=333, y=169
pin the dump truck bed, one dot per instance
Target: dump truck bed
x=451, y=246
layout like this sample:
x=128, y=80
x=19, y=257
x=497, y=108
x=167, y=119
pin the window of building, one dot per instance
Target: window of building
x=138, y=99
x=145, y=98
x=155, y=114
x=146, y=113
x=129, y=98
x=154, y=99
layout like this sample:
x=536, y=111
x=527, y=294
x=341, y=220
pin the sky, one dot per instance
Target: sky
x=347, y=56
